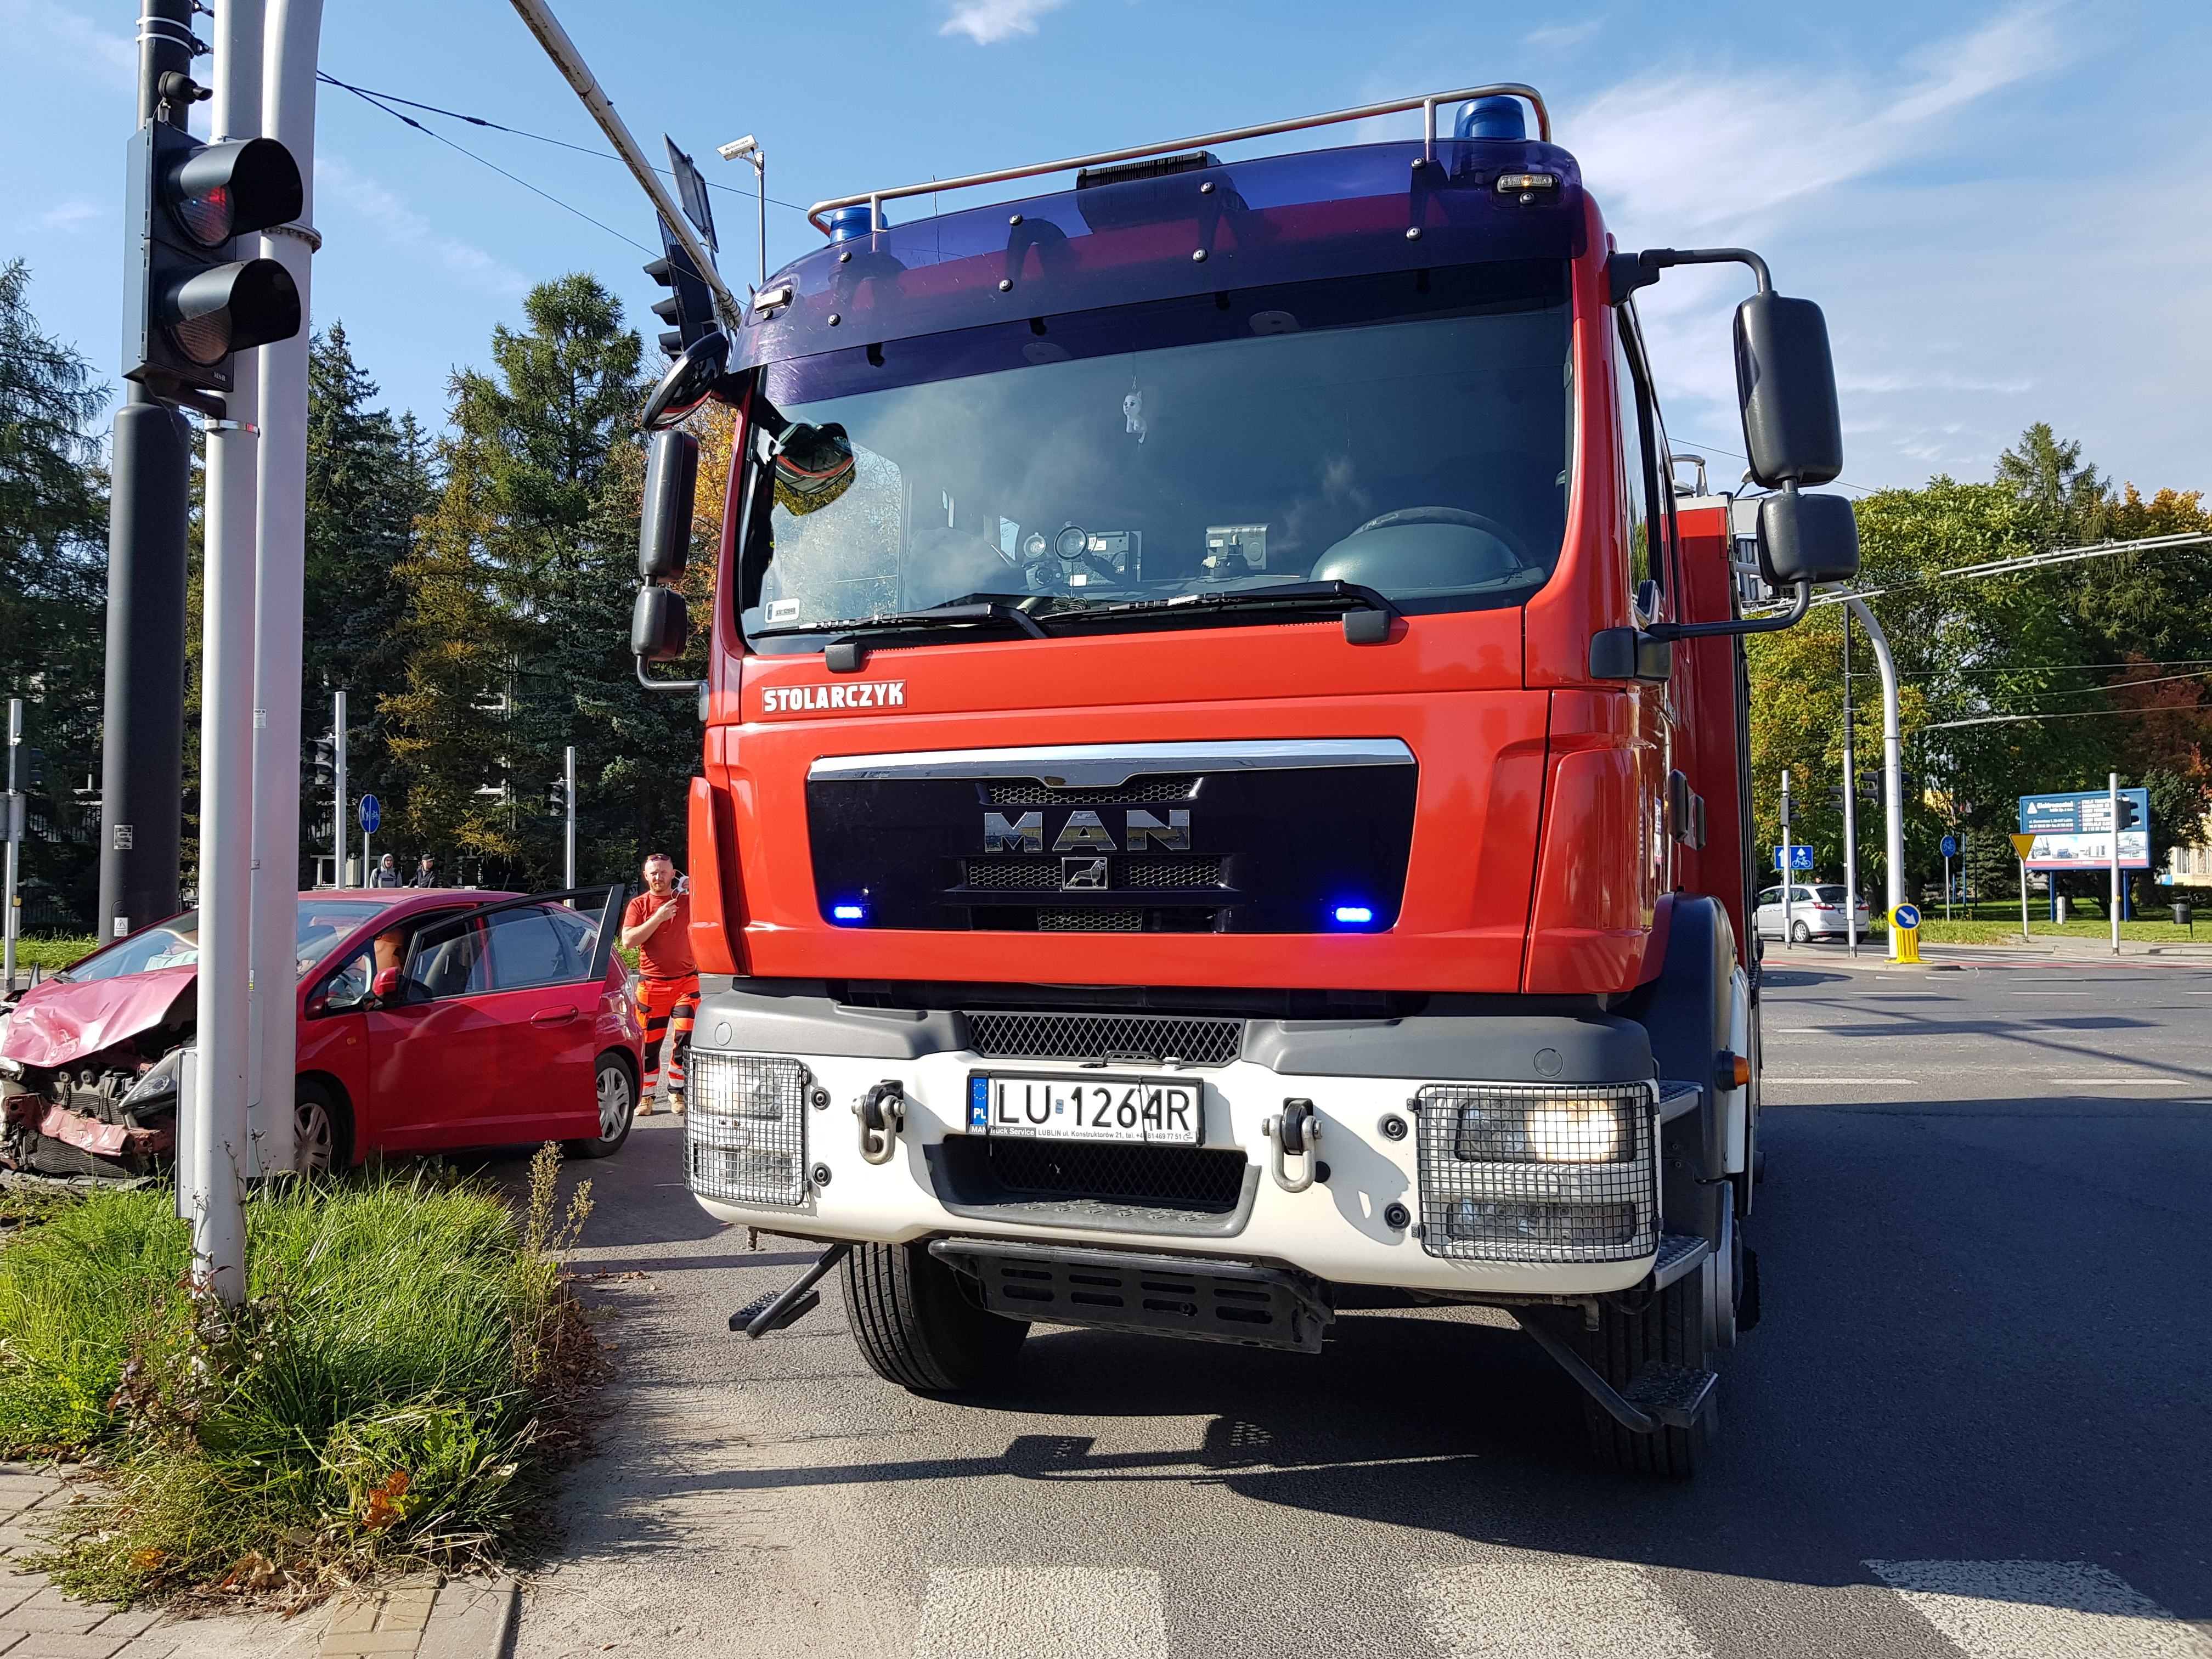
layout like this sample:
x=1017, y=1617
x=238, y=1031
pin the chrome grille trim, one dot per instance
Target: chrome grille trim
x=1076, y=766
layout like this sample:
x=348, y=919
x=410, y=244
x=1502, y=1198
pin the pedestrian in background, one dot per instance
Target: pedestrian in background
x=386, y=873
x=425, y=873
x=657, y=925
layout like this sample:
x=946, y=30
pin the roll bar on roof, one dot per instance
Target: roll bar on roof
x=1426, y=104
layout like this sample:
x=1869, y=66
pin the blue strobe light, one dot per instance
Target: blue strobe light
x=1353, y=915
x=848, y=913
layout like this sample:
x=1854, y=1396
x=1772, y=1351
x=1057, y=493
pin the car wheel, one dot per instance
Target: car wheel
x=1800, y=933
x=325, y=1145
x=617, y=1098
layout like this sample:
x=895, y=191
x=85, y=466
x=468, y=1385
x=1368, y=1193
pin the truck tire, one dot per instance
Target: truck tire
x=915, y=1328
x=1672, y=1326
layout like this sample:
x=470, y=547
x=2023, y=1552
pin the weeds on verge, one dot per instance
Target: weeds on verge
x=404, y=1374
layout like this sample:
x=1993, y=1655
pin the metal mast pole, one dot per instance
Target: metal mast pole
x=2113, y=906
x=569, y=796
x=1850, y=802
x=285, y=40
x=14, y=830
x=1892, y=764
x=222, y=1152
x=1789, y=874
x=143, y=718
x=339, y=792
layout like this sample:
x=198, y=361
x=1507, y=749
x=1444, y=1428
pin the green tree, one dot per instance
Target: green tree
x=53, y=528
x=2047, y=473
x=519, y=600
x=368, y=480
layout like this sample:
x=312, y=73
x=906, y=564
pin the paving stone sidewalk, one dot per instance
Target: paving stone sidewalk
x=459, y=1619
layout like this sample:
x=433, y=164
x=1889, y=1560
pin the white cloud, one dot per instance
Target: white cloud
x=58, y=37
x=66, y=217
x=401, y=227
x=985, y=21
x=1557, y=35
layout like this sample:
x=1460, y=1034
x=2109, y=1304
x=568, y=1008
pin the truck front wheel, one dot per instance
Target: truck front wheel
x=915, y=1326
x=1671, y=1326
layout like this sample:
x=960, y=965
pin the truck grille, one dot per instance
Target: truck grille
x=1147, y=1037
x=1526, y=1173
x=1028, y=792
x=1180, y=1178
x=1043, y=874
x=1101, y=921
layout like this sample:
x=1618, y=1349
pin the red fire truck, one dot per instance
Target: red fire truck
x=1226, y=792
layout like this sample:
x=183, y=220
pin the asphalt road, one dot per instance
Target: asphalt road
x=1974, y=1421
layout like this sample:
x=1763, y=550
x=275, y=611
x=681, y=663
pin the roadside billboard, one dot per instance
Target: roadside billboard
x=2075, y=831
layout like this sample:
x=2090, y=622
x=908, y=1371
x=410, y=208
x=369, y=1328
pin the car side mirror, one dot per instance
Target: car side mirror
x=690, y=380
x=1807, y=539
x=659, y=625
x=1786, y=382
x=385, y=985
x=672, y=485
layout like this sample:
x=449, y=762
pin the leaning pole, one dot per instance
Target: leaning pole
x=288, y=115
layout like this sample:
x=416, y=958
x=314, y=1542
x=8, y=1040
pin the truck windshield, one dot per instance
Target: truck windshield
x=1408, y=432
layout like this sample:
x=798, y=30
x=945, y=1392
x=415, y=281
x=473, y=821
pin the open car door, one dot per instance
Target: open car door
x=490, y=1034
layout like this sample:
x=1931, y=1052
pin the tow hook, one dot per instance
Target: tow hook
x=1294, y=1133
x=881, y=1112
x=778, y=1309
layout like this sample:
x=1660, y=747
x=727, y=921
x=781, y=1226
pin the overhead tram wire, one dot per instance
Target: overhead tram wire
x=371, y=99
x=382, y=99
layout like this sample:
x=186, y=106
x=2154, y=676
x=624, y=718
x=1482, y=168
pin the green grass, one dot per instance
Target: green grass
x=389, y=1396
x=1993, y=928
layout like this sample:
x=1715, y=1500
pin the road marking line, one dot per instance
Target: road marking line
x=1528, y=1605
x=2183, y=1081
x=2046, y=994
x=2005, y=1609
x=1800, y=1030
x=1020, y=1613
x=1764, y=1078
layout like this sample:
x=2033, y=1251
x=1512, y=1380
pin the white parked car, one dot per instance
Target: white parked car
x=1814, y=913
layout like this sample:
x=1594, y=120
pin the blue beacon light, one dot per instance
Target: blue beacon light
x=848, y=913
x=1354, y=914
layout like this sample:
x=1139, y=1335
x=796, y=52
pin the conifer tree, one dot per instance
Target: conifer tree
x=53, y=525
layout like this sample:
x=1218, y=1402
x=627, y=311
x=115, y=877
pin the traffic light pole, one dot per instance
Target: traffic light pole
x=286, y=49
x=1788, y=864
x=1893, y=767
x=14, y=830
x=143, y=718
x=2113, y=907
x=1850, y=805
x=224, y=1063
x=338, y=793
x=569, y=800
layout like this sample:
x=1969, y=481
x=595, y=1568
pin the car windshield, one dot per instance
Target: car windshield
x=1408, y=433
x=176, y=943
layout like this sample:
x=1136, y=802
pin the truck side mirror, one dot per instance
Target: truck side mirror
x=672, y=482
x=1786, y=382
x=690, y=380
x=659, y=625
x=1807, y=539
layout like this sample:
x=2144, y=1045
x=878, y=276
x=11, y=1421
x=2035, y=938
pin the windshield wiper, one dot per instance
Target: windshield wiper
x=932, y=618
x=1367, y=616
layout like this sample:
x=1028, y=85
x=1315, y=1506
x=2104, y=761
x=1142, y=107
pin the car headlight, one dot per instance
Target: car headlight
x=745, y=1131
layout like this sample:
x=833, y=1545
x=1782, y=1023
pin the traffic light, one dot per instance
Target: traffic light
x=35, y=767
x=690, y=306
x=189, y=302
x=326, y=763
x=557, y=798
x=2130, y=814
x=1836, y=796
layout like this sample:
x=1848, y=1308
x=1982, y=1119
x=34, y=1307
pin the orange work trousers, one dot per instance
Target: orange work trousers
x=666, y=1007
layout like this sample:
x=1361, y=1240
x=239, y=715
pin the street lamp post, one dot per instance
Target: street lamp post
x=1893, y=766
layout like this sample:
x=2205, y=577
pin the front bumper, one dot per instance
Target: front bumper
x=1368, y=1218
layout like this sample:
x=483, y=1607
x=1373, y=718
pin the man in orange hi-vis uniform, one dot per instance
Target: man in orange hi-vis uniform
x=657, y=925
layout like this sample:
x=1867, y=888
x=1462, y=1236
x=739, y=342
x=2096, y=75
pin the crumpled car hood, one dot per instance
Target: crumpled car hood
x=55, y=1024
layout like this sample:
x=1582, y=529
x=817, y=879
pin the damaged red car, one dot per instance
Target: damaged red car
x=430, y=1021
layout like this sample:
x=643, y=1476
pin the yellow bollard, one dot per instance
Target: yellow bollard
x=1905, y=928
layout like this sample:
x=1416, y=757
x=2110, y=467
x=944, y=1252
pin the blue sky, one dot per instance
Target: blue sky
x=2002, y=208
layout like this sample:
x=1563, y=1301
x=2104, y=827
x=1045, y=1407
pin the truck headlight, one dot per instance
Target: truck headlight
x=1520, y=1173
x=745, y=1131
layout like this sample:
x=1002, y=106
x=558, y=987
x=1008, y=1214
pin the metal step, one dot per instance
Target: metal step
x=1672, y=1395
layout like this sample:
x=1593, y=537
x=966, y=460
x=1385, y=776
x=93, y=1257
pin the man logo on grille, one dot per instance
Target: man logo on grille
x=1083, y=875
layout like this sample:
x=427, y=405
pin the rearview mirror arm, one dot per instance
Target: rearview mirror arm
x=1789, y=618
x=671, y=688
x=1626, y=272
